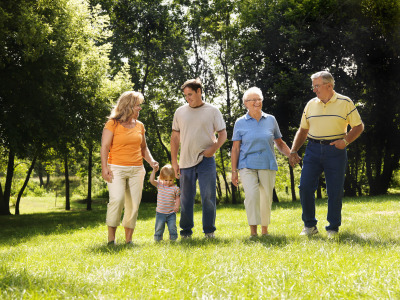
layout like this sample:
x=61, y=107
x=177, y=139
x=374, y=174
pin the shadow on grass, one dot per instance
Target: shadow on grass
x=15, y=228
x=29, y=225
x=364, y=240
x=15, y=286
x=112, y=250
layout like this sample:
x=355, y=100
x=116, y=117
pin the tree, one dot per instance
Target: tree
x=28, y=78
x=149, y=36
x=51, y=71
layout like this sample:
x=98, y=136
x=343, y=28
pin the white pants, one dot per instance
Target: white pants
x=124, y=190
x=258, y=186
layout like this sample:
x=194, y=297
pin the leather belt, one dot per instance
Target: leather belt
x=322, y=142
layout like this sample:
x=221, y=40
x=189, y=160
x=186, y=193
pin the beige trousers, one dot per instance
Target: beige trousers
x=125, y=191
x=258, y=186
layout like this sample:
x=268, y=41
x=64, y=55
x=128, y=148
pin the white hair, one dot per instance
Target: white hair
x=326, y=77
x=253, y=90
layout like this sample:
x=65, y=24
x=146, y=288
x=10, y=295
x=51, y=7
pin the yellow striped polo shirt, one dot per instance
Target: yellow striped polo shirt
x=329, y=121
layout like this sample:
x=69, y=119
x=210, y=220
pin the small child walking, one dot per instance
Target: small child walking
x=168, y=202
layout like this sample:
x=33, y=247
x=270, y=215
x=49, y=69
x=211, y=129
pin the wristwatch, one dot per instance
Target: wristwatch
x=346, y=142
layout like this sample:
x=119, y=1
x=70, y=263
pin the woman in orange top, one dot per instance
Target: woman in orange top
x=123, y=147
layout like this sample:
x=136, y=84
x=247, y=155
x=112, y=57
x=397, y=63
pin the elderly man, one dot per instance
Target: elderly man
x=325, y=120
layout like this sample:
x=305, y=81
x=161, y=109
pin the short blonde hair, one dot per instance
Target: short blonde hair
x=123, y=110
x=253, y=90
x=167, y=172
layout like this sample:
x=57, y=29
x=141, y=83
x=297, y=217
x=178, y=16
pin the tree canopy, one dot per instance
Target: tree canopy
x=64, y=63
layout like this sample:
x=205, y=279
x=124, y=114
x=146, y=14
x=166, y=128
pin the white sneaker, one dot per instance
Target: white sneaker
x=309, y=230
x=332, y=234
x=210, y=235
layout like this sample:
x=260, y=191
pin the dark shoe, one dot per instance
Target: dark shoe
x=111, y=243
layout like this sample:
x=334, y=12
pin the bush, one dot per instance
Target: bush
x=39, y=191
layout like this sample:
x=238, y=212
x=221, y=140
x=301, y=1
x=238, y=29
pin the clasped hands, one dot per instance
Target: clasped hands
x=294, y=159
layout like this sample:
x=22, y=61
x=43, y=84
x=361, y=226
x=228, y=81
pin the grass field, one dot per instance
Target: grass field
x=55, y=254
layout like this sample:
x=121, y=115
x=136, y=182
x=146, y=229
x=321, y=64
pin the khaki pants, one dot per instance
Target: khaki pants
x=258, y=186
x=125, y=190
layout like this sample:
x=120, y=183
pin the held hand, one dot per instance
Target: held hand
x=177, y=171
x=294, y=159
x=154, y=165
x=107, y=174
x=339, y=144
x=176, y=208
x=235, y=179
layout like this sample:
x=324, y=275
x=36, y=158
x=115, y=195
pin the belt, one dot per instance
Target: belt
x=322, y=142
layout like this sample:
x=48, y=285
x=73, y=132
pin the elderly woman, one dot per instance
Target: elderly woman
x=123, y=147
x=253, y=157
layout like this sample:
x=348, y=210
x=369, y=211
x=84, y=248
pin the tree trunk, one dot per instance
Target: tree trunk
x=380, y=165
x=153, y=115
x=47, y=180
x=67, y=202
x=89, y=193
x=227, y=189
x=274, y=196
x=1, y=194
x=40, y=173
x=21, y=191
x=292, y=183
x=219, y=191
x=5, y=201
x=234, y=191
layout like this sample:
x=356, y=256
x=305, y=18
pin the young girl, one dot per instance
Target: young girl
x=168, y=202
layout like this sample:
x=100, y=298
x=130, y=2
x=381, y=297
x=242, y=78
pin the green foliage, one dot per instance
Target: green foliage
x=64, y=63
x=64, y=255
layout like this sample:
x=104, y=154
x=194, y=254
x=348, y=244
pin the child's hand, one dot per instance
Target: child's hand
x=176, y=208
x=155, y=167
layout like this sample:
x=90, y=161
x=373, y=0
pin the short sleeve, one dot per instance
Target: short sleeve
x=304, y=122
x=277, y=131
x=219, y=123
x=236, y=136
x=175, y=123
x=353, y=117
x=111, y=125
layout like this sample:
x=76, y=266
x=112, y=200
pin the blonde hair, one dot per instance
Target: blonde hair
x=123, y=110
x=167, y=172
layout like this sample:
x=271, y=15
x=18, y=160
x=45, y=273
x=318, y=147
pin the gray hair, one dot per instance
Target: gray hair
x=253, y=90
x=326, y=77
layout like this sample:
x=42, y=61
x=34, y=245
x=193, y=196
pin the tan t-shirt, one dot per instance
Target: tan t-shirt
x=197, y=127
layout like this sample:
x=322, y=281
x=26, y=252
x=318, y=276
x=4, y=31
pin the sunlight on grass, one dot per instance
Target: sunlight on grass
x=64, y=255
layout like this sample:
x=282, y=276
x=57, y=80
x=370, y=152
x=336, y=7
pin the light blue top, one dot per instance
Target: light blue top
x=257, y=141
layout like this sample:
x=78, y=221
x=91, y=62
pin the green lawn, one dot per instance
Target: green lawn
x=58, y=254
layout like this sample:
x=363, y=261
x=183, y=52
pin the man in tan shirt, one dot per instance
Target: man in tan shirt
x=193, y=129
